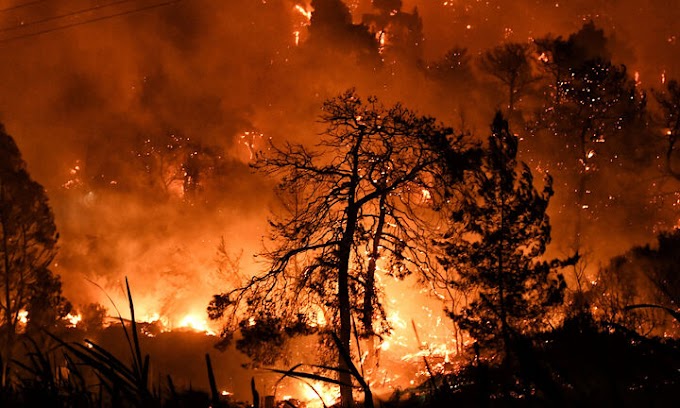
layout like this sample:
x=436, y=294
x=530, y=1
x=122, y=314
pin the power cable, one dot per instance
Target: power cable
x=64, y=27
x=22, y=5
x=69, y=14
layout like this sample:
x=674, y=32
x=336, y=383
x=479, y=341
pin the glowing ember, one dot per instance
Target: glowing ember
x=74, y=174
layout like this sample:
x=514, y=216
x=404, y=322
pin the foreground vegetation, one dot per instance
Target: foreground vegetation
x=582, y=363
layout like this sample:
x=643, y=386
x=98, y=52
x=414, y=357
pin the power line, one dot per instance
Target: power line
x=22, y=5
x=64, y=27
x=69, y=14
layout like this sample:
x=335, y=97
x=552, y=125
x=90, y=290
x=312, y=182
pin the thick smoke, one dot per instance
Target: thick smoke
x=94, y=108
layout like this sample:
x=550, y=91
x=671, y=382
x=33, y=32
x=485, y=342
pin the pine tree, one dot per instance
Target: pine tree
x=494, y=245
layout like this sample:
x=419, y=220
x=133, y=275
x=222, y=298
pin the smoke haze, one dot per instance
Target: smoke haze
x=92, y=105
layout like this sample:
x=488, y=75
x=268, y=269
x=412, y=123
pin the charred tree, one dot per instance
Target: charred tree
x=360, y=192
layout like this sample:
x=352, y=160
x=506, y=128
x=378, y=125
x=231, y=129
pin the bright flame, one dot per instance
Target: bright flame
x=304, y=11
x=320, y=319
x=328, y=393
x=23, y=317
x=151, y=318
x=248, y=139
x=73, y=319
x=197, y=324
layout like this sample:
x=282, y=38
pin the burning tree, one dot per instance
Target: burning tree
x=493, y=246
x=590, y=106
x=356, y=202
x=559, y=57
x=28, y=244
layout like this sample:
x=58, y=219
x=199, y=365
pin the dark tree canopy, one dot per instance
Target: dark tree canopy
x=593, y=113
x=510, y=64
x=331, y=29
x=494, y=247
x=646, y=275
x=28, y=244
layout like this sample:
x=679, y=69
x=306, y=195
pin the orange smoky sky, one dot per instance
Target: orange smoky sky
x=85, y=83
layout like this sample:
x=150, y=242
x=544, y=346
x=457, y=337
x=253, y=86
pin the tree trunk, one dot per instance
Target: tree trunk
x=369, y=293
x=7, y=331
x=344, y=253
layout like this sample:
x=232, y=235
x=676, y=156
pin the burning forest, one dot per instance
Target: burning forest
x=317, y=203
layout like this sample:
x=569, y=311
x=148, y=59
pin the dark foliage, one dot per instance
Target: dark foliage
x=494, y=247
x=28, y=244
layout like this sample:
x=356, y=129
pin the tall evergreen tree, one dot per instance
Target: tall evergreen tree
x=494, y=246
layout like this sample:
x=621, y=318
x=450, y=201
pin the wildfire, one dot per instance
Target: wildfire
x=303, y=11
x=318, y=394
x=73, y=320
x=197, y=324
x=382, y=40
x=306, y=19
x=427, y=196
x=23, y=317
x=248, y=139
